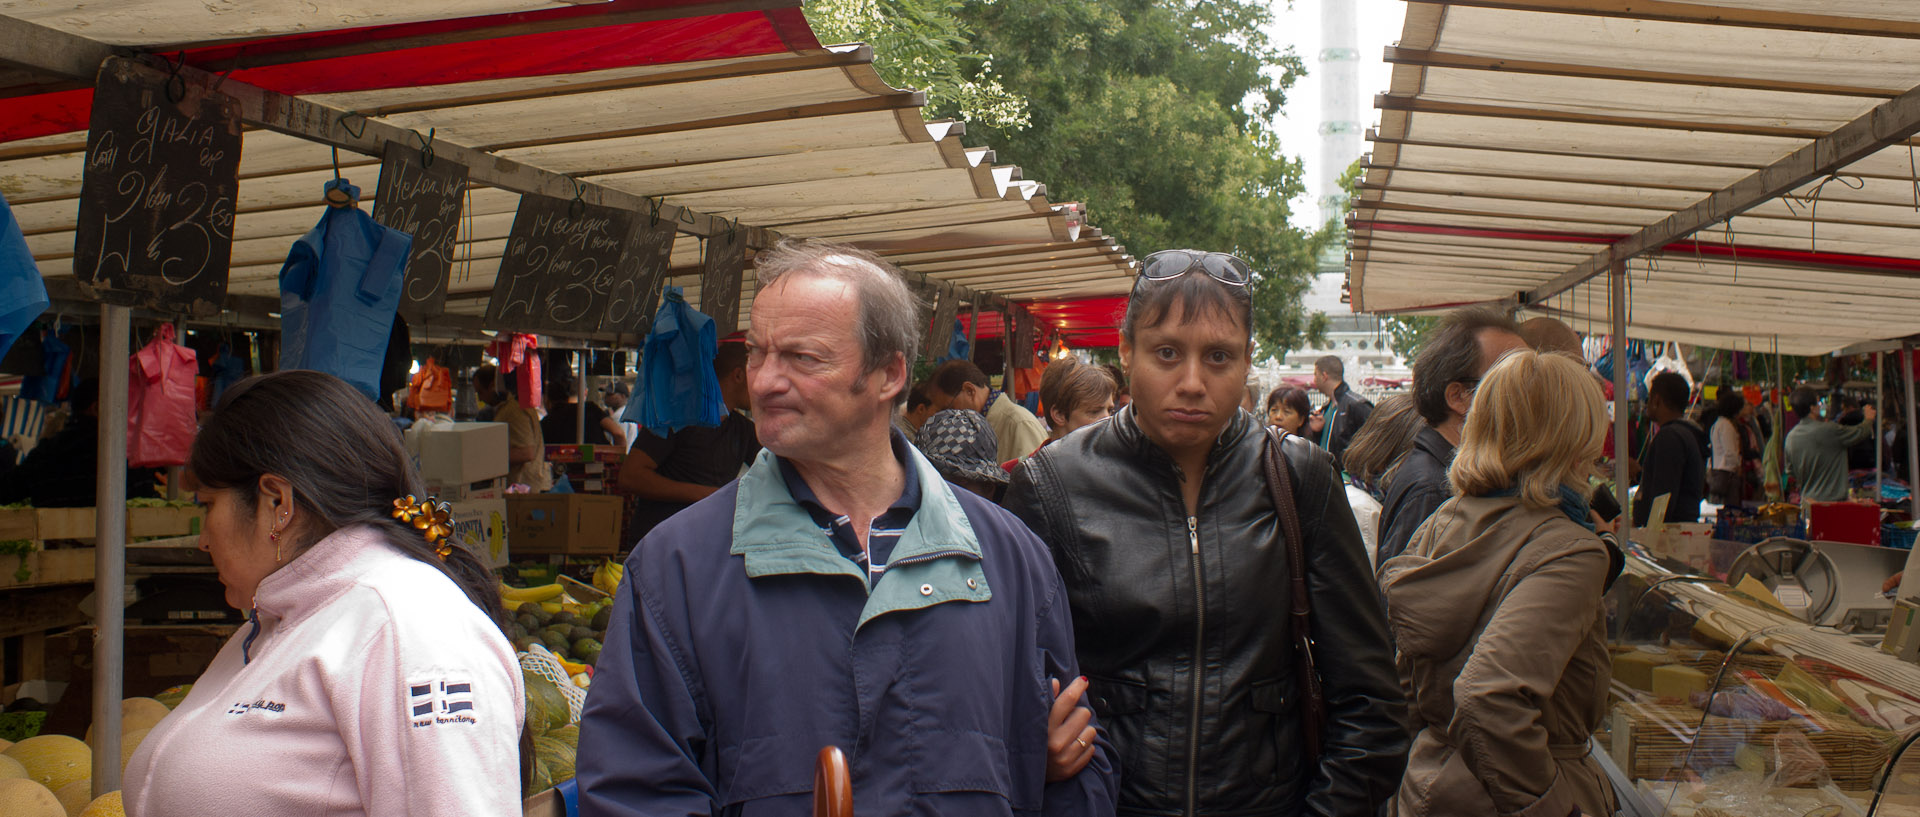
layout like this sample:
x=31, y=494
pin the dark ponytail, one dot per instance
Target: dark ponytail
x=343, y=457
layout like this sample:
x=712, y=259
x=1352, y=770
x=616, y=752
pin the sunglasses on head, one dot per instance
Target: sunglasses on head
x=1225, y=268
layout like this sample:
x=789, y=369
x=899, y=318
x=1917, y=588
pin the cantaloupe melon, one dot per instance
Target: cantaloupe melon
x=11, y=769
x=137, y=714
x=107, y=805
x=128, y=743
x=75, y=796
x=4, y=743
x=25, y=798
x=53, y=760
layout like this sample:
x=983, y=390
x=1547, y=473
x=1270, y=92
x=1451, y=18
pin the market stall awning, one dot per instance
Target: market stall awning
x=1753, y=159
x=732, y=111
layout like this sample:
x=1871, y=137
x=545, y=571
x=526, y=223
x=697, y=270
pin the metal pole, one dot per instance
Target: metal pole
x=1913, y=440
x=1622, y=399
x=580, y=406
x=1910, y=583
x=1780, y=420
x=110, y=546
x=1879, y=427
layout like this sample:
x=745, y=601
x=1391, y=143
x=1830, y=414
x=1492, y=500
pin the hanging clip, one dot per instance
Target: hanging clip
x=578, y=207
x=426, y=148
x=347, y=117
x=176, y=84
x=653, y=218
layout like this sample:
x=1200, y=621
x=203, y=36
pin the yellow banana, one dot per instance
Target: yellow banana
x=607, y=577
x=521, y=595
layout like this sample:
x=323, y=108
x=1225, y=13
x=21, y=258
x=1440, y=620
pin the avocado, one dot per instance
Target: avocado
x=528, y=608
x=590, y=656
x=555, y=642
x=562, y=617
x=584, y=645
x=601, y=618
x=527, y=622
x=577, y=632
x=523, y=642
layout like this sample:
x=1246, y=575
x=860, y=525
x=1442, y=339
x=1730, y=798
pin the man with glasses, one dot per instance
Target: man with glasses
x=1445, y=374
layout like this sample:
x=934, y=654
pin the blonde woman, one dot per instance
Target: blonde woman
x=1495, y=607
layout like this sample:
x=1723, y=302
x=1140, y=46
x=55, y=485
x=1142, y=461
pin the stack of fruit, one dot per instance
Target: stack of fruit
x=572, y=630
x=52, y=775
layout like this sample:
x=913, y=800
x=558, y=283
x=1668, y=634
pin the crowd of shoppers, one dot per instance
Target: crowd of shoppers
x=991, y=614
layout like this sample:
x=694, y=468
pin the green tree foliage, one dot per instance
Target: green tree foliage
x=1152, y=112
x=1408, y=335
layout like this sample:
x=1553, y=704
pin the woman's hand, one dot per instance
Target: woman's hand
x=1069, y=735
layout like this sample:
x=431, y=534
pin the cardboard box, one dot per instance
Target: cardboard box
x=568, y=524
x=463, y=453
x=572, y=452
x=480, y=525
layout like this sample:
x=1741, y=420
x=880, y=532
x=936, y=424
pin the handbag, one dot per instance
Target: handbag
x=1300, y=617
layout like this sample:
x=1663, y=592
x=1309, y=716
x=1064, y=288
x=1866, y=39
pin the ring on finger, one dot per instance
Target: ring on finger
x=1082, y=741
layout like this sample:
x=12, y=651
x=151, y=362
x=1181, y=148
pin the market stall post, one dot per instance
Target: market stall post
x=1622, y=397
x=1879, y=425
x=580, y=405
x=1910, y=580
x=110, y=546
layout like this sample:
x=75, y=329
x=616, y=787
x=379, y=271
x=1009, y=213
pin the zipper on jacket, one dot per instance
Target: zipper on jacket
x=1199, y=668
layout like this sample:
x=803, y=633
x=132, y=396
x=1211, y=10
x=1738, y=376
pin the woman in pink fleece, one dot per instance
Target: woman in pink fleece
x=373, y=677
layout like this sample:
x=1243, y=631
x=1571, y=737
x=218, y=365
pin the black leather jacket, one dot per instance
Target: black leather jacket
x=1150, y=589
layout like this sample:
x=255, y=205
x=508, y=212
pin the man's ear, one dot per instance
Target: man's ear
x=1459, y=398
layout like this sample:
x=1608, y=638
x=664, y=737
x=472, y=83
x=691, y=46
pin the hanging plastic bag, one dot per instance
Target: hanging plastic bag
x=160, y=416
x=518, y=357
x=431, y=388
x=1670, y=360
x=677, y=385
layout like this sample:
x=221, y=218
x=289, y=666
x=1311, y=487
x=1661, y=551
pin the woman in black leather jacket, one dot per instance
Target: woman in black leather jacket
x=1163, y=528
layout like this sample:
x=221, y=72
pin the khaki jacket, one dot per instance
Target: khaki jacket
x=1496, y=613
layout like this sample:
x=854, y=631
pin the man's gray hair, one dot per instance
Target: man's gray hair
x=889, y=315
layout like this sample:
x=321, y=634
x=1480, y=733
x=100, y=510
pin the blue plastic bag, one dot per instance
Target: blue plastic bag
x=677, y=385
x=339, y=291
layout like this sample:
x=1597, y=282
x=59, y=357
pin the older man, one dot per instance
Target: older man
x=840, y=593
x=1445, y=375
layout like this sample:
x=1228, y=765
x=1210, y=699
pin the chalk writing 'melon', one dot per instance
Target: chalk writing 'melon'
x=157, y=192
x=422, y=200
x=634, y=293
x=560, y=260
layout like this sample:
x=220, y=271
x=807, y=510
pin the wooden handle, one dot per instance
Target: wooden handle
x=832, y=785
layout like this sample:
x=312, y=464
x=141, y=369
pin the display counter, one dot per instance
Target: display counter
x=1723, y=706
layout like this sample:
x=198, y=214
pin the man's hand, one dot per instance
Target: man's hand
x=1069, y=735
x=1317, y=422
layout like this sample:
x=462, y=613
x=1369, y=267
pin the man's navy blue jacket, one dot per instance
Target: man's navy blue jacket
x=743, y=640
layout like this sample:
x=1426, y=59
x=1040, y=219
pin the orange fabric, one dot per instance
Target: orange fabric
x=431, y=388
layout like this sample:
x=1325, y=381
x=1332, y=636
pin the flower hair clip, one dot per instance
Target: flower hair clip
x=432, y=517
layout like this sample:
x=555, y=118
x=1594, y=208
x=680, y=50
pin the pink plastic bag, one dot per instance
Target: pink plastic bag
x=160, y=415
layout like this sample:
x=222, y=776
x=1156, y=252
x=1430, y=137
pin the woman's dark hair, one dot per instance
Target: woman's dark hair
x=1387, y=437
x=1292, y=397
x=343, y=457
x=1196, y=293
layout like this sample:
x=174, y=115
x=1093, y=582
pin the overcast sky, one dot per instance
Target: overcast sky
x=1298, y=24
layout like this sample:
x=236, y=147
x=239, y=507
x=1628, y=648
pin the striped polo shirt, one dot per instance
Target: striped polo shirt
x=885, y=531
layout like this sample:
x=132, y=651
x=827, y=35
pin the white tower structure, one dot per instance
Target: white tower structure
x=1339, y=72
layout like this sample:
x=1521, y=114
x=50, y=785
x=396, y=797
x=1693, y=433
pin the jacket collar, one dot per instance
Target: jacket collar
x=1126, y=428
x=321, y=572
x=936, y=560
x=1434, y=443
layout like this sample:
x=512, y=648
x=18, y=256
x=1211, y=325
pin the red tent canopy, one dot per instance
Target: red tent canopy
x=1086, y=323
x=573, y=50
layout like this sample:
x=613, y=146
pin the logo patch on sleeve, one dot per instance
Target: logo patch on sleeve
x=440, y=701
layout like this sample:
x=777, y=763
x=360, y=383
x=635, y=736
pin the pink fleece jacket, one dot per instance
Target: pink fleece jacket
x=372, y=687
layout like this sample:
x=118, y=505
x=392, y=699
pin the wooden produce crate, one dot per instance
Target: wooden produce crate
x=43, y=524
x=44, y=567
x=1653, y=741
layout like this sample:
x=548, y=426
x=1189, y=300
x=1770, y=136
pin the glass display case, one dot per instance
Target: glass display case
x=1724, y=705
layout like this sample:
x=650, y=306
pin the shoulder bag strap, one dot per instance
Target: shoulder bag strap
x=1313, y=704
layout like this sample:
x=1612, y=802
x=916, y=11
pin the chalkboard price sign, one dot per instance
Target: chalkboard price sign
x=720, y=279
x=560, y=261
x=157, y=192
x=421, y=197
x=633, y=296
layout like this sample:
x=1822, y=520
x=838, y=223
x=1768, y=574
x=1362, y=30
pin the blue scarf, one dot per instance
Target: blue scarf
x=1572, y=503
